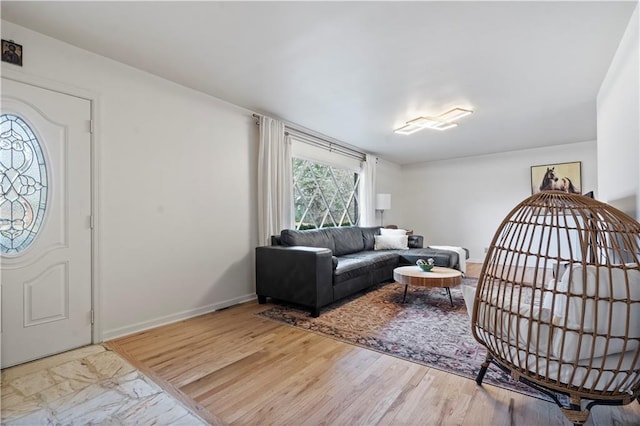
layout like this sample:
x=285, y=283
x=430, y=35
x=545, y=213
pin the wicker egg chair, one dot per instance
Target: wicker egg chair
x=558, y=302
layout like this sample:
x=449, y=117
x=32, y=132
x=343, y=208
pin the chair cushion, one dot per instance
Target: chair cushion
x=608, y=318
x=568, y=324
x=516, y=316
x=598, y=374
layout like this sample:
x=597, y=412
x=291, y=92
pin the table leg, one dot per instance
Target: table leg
x=406, y=286
x=449, y=293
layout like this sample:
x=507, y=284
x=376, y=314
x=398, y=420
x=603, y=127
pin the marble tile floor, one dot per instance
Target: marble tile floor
x=90, y=385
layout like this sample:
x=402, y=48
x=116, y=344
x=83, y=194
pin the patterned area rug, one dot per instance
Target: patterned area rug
x=426, y=329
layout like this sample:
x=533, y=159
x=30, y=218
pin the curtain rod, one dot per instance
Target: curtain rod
x=331, y=146
x=321, y=141
x=327, y=145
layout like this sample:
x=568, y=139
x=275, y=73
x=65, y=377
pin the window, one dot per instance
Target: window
x=324, y=195
x=23, y=185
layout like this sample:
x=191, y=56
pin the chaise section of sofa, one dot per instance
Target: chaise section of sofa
x=314, y=268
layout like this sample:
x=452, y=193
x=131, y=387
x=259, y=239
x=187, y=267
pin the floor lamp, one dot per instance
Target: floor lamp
x=383, y=202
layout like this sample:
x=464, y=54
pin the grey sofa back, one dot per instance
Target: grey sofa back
x=320, y=238
x=368, y=235
x=341, y=240
x=347, y=240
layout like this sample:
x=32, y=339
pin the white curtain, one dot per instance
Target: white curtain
x=275, y=189
x=368, y=192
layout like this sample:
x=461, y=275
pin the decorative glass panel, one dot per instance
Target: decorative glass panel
x=324, y=196
x=23, y=185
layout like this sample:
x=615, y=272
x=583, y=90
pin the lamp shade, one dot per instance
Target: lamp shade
x=383, y=201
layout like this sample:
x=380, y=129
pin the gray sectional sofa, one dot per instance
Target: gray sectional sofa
x=314, y=268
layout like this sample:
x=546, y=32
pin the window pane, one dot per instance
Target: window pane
x=23, y=185
x=324, y=196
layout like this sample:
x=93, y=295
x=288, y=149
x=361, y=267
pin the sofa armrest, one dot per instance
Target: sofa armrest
x=416, y=241
x=302, y=275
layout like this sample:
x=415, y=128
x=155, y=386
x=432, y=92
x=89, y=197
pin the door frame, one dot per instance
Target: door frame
x=94, y=100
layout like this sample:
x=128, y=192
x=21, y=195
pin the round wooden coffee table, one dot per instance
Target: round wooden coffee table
x=437, y=277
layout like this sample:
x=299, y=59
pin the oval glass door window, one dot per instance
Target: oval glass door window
x=23, y=185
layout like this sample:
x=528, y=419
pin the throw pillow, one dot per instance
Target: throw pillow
x=469, y=294
x=390, y=242
x=386, y=231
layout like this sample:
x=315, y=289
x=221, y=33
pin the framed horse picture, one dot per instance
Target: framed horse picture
x=565, y=177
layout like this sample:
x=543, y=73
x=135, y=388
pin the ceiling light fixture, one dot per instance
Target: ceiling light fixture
x=454, y=114
x=407, y=129
x=443, y=121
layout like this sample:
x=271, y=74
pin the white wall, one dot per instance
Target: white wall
x=389, y=181
x=177, y=188
x=618, y=107
x=461, y=202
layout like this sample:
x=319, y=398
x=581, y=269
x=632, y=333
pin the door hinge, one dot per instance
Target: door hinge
x=91, y=126
x=91, y=222
x=93, y=316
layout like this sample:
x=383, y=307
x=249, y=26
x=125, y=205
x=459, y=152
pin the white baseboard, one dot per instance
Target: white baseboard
x=168, y=319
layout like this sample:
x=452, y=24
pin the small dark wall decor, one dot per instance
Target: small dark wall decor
x=565, y=177
x=11, y=52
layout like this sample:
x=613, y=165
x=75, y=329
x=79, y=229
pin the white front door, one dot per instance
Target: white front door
x=45, y=229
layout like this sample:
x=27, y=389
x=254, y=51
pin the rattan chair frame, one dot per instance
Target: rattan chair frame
x=557, y=303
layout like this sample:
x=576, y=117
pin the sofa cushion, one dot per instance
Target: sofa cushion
x=347, y=239
x=447, y=259
x=321, y=238
x=353, y=265
x=368, y=236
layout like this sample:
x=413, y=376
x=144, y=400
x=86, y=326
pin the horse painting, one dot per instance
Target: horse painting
x=551, y=182
x=567, y=186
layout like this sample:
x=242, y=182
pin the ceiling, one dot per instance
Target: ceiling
x=354, y=71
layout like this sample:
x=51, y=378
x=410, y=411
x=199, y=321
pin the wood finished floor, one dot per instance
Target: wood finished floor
x=241, y=369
